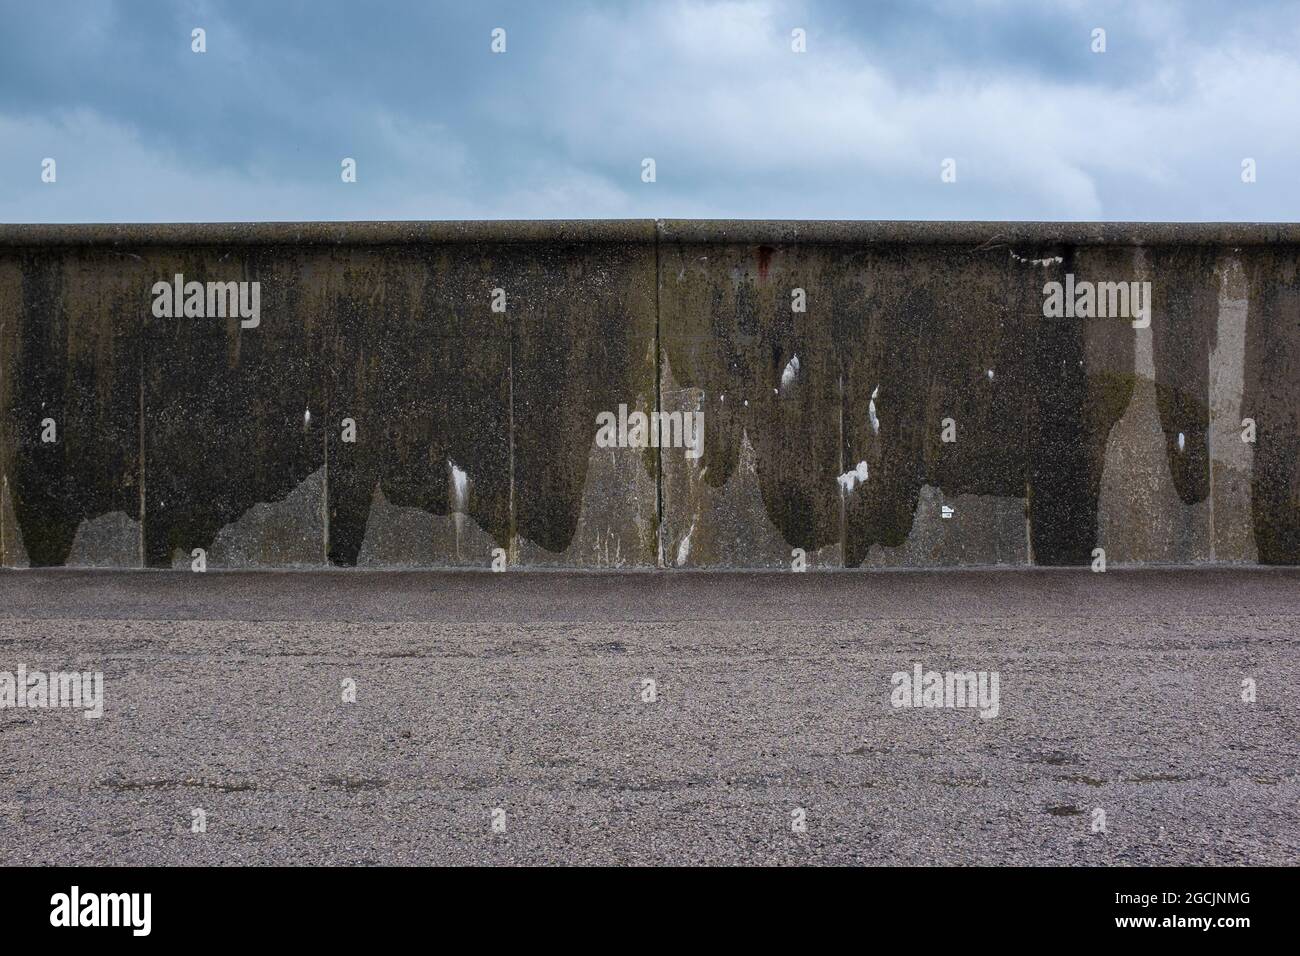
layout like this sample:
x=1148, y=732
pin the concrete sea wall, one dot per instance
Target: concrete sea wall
x=870, y=394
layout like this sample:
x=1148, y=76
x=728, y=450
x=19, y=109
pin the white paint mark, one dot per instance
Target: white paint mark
x=459, y=488
x=871, y=410
x=1182, y=442
x=1050, y=261
x=306, y=418
x=684, y=549
x=851, y=479
x=791, y=372
x=990, y=374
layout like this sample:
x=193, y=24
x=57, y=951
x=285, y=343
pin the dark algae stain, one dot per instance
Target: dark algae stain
x=1185, y=287
x=1064, y=461
x=74, y=378
x=421, y=365
x=765, y=374
x=227, y=423
x=939, y=347
x=922, y=334
x=400, y=339
x=583, y=333
x=509, y=399
x=886, y=329
x=1081, y=385
x=46, y=500
x=1272, y=398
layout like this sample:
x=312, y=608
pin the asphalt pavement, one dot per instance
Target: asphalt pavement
x=549, y=718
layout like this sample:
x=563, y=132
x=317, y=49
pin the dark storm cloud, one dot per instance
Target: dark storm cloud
x=739, y=125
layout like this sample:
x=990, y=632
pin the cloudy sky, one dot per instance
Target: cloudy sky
x=740, y=126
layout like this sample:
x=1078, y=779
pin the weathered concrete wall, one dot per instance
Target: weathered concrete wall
x=383, y=411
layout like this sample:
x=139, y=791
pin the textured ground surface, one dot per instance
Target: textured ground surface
x=523, y=692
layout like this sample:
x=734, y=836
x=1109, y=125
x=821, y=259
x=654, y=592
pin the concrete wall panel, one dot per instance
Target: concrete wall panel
x=383, y=414
x=1153, y=505
x=233, y=426
x=418, y=373
x=934, y=357
x=765, y=377
x=70, y=363
x=1272, y=398
x=583, y=317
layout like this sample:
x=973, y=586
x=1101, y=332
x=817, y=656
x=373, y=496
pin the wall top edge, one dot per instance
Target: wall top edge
x=742, y=231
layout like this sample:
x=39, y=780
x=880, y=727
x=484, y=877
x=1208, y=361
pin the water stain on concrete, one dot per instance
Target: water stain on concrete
x=1272, y=384
x=1231, y=458
x=828, y=372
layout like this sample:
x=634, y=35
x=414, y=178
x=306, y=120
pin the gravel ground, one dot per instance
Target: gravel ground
x=525, y=692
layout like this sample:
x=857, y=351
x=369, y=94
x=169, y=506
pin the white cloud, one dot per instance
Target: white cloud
x=108, y=172
x=739, y=125
x=722, y=100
